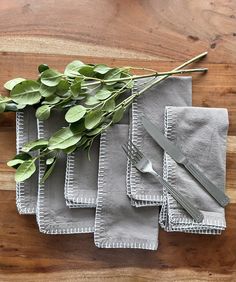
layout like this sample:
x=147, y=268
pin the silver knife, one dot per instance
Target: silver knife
x=180, y=158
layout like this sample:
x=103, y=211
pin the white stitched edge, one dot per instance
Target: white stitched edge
x=133, y=178
x=127, y=245
x=42, y=220
x=20, y=186
x=71, y=200
x=98, y=217
x=181, y=224
x=134, y=202
x=81, y=205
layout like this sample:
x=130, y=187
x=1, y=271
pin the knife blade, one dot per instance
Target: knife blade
x=175, y=152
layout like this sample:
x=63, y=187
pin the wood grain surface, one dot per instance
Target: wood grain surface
x=158, y=34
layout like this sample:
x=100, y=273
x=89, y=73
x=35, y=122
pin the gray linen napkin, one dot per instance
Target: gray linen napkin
x=26, y=192
x=117, y=223
x=81, y=178
x=201, y=133
x=174, y=91
x=81, y=190
x=53, y=216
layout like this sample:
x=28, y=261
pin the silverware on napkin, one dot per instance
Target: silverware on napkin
x=180, y=158
x=144, y=165
x=201, y=133
x=174, y=91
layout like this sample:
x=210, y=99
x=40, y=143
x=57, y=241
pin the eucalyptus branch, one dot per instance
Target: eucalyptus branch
x=89, y=110
x=153, y=74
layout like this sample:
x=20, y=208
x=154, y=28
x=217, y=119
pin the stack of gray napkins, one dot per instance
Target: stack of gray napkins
x=107, y=196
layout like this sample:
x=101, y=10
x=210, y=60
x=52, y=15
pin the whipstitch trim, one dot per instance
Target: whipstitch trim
x=133, y=178
x=20, y=186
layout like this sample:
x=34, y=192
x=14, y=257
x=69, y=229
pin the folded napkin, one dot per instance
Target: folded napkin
x=53, y=215
x=174, y=91
x=117, y=223
x=201, y=133
x=81, y=178
x=26, y=192
x=82, y=173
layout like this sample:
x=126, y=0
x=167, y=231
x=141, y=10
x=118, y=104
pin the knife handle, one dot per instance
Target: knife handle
x=183, y=201
x=211, y=188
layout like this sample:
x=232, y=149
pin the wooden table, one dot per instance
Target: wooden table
x=156, y=34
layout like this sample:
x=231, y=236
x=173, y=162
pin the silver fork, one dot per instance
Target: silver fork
x=144, y=165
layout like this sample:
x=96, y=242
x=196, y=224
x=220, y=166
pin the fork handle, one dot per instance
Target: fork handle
x=184, y=202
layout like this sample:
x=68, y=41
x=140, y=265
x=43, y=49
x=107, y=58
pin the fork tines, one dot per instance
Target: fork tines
x=132, y=152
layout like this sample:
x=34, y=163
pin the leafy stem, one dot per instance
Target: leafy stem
x=89, y=110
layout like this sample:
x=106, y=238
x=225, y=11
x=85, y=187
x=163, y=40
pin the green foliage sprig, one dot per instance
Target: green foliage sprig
x=90, y=95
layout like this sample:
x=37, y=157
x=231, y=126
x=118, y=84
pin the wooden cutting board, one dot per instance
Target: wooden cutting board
x=155, y=34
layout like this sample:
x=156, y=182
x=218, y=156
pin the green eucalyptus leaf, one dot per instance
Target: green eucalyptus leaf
x=92, y=119
x=26, y=92
x=63, y=139
x=43, y=67
x=95, y=131
x=118, y=115
x=91, y=100
x=51, y=77
x=109, y=106
x=43, y=112
x=75, y=113
x=112, y=74
x=62, y=88
x=75, y=88
x=47, y=91
x=11, y=107
x=72, y=69
x=102, y=69
x=25, y=170
x=14, y=162
x=52, y=100
x=35, y=145
x=4, y=101
x=9, y=85
x=49, y=161
x=48, y=171
x=87, y=70
x=103, y=94
x=78, y=126
x=18, y=159
x=23, y=156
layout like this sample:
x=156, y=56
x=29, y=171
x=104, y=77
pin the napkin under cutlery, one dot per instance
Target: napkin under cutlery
x=53, y=215
x=118, y=224
x=174, y=91
x=201, y=134
x=26, y=192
